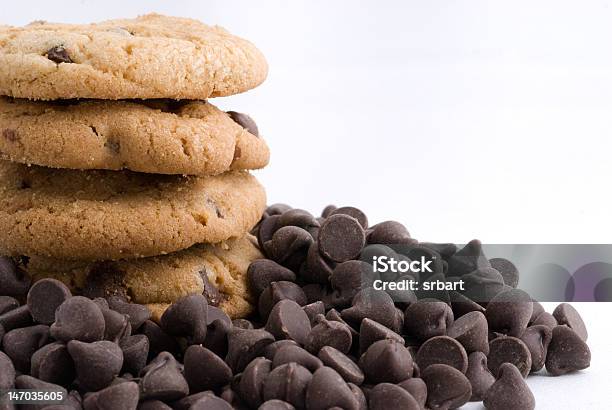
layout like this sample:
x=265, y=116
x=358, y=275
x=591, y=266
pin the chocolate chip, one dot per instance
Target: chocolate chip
x=390, y=233
x=298, y=217
x=13, y=280
x=159, y=341
x=362, y=403
x=58, y=54
x=278, y=291
x=442, y=350
x=468, y=259
x=354, y=212
x=20, y=344
x=289, y=246
x=316, y=269
x=153, y=405
x=78, y=318
x=447, y=387
x=119, y=396
x=537, y=338
x=296, y=354
x=233, y=398
x=567, y=352
x=462, y=305
x=417, y=388
x=186, y=402
x=373, y=304
x=372, y=331
x=347, y=279
x=52, y=363
x=8, y=303
x=329, y=333
x=16, y=318
x=262, y=272
x=508, y=349
x=162, y=379
x=566, y=314
x=545, y=319
x=210, y=292
x=32, y=383
x=252, y=380
x=44, y=297
x=116, y=325
x=219, y=325
x=509, y=391
x=96, y=364
x=187, y=317
x=7, y=372
x=479, y=375
x=244, y=121
x=427, y=318
x=204, y=370
x=386, y=361
x=314, y=309
x=135, y=351
x=483, y=284
x=327, y=390
x=507, y=269
x=272, y=348
x=342, y=364
x=471, y=330
x=287, y=320
x=244, y=345
x=387, y=396
x=509, y=312
x=276, y=405
x=266, y=229
x=288, y=383
x=210, y=402
x=10, y=134
x=341, y=238
x=316, y=292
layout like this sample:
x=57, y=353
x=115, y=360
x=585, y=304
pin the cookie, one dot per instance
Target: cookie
x=152, y=56
x=218, y=271
x=163, y=137
x=108, y=215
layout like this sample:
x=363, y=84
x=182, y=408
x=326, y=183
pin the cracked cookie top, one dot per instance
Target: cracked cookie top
x=152, y=56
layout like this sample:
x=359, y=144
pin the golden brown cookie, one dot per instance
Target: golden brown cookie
x=152, y=56
x=108, y=215
x=162, y=137
x=218, y=271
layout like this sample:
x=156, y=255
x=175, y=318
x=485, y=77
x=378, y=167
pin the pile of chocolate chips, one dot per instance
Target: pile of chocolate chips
x=322, y=336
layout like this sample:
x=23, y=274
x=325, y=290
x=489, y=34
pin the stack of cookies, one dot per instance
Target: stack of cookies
x=118, y=177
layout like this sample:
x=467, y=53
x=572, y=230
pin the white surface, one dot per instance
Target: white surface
x=461, y=119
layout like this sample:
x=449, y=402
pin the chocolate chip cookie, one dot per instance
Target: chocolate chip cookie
x=152, y=56
x=108, y=215
x=160, y=136
x=218, y=271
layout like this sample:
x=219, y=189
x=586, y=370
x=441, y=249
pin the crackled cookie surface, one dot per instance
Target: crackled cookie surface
x=161, y=136
x=218, y=271
x=107, y=215
x=152, y=56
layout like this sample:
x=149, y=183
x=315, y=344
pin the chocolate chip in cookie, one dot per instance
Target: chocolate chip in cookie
x=58, y=54
x=211, y=292
x=10, y=134
x=244, y=121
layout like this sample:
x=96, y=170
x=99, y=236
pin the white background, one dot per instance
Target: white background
x=461, y=119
